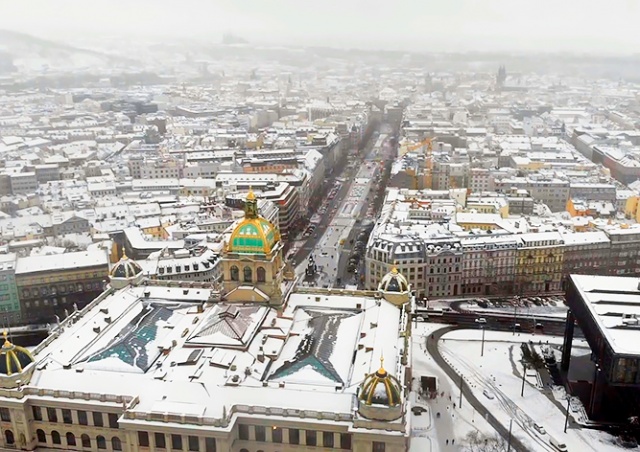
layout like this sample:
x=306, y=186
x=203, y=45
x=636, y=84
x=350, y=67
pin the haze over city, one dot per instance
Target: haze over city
x=585, y=26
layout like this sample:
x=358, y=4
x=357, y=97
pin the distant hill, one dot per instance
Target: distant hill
x=27, y=51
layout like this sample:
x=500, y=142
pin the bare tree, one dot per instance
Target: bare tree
x=475, y=441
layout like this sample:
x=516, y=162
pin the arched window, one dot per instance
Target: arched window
x=42, y=438
x=235, y=273
x=86, y=441
x=261, y=274
x=71, y=439
x=55, y=437
x=248, y=274
x=8, y=437
x=102, y=443
x=116, y=444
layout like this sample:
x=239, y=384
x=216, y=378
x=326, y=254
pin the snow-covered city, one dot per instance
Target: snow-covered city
x=295, y=227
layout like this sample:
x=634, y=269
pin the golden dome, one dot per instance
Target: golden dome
x=380, y=388
x=15, y=359
x=394, y=281
x=126, y=268
x=254, y=234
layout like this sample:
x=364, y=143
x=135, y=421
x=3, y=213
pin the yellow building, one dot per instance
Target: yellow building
x=539, y=261
x=252, y=264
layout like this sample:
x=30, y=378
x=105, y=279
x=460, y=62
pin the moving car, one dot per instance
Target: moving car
x=487, y=394
x=539, y=428
x=562, y=447
x=481, y=320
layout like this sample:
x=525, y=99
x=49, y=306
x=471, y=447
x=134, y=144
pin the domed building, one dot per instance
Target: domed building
x=15, y=365
x=125, y=272
x=395, y=288
x=380, y=396
x=252, y=263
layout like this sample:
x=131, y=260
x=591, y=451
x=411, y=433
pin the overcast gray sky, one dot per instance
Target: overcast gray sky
x=428, y=25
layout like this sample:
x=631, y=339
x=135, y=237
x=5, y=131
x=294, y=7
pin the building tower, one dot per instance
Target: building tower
x=252, y=263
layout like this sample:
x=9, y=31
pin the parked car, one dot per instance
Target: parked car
x=488, y=395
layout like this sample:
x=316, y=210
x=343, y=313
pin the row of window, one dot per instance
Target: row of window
x=60, y=289
x=85, y=440
x=177, y=442
x=247, y=274
x=67, y=417
x=310, y=436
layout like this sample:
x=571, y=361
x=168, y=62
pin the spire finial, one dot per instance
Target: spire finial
x=381, y=371
x=251, y=195
x=6, y=339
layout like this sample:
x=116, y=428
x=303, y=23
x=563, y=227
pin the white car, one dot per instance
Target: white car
x=488, y=395
x=481, y=320
x=540, y=429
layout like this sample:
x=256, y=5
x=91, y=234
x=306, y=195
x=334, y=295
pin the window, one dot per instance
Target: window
x=52, y=415
x=97, y=419
x=86, y=441
x=66, y=416
x=248, y=274
x=176, y=442
x=37, y=413
x=261, y=274
x=243, y=432
x=294, y=436
x=116, y=444
x=311, y=437
x=143, y=439
x=42, y=438
x=378, y=446
x=5, y=415
x=260, y=433
x=113, y=420
x=194, y=443
x=327, y=439
x=8, y=437
x=102, y=443
x=210, y=444
x=276, y=434
x=71, y=439
x=82, y=418
x=161, y=441
x=235, y=273
x=55, y=437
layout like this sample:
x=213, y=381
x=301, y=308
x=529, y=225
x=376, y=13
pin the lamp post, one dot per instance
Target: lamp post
x=566, y=419
x=482, y=347
x=509, y=443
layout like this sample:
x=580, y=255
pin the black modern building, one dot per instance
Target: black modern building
x=607, y=310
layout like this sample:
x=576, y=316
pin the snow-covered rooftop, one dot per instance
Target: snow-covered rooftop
x=614, y=303
x=175, y=353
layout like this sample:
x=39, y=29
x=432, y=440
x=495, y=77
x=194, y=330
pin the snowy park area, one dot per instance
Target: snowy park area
x=496, y=379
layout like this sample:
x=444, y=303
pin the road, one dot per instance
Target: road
x=432, y=348
x=537, y=324
x=338, y=223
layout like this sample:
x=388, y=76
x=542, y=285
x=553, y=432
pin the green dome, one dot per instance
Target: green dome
x=253, y=235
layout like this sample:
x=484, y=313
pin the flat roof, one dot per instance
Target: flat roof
x=613, y=301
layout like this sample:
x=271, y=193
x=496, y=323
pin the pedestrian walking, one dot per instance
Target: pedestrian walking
x=447, y=442
x=453, y=441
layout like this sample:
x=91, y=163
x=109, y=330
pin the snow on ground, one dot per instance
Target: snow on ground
x=428, y=432
x=499, y=373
